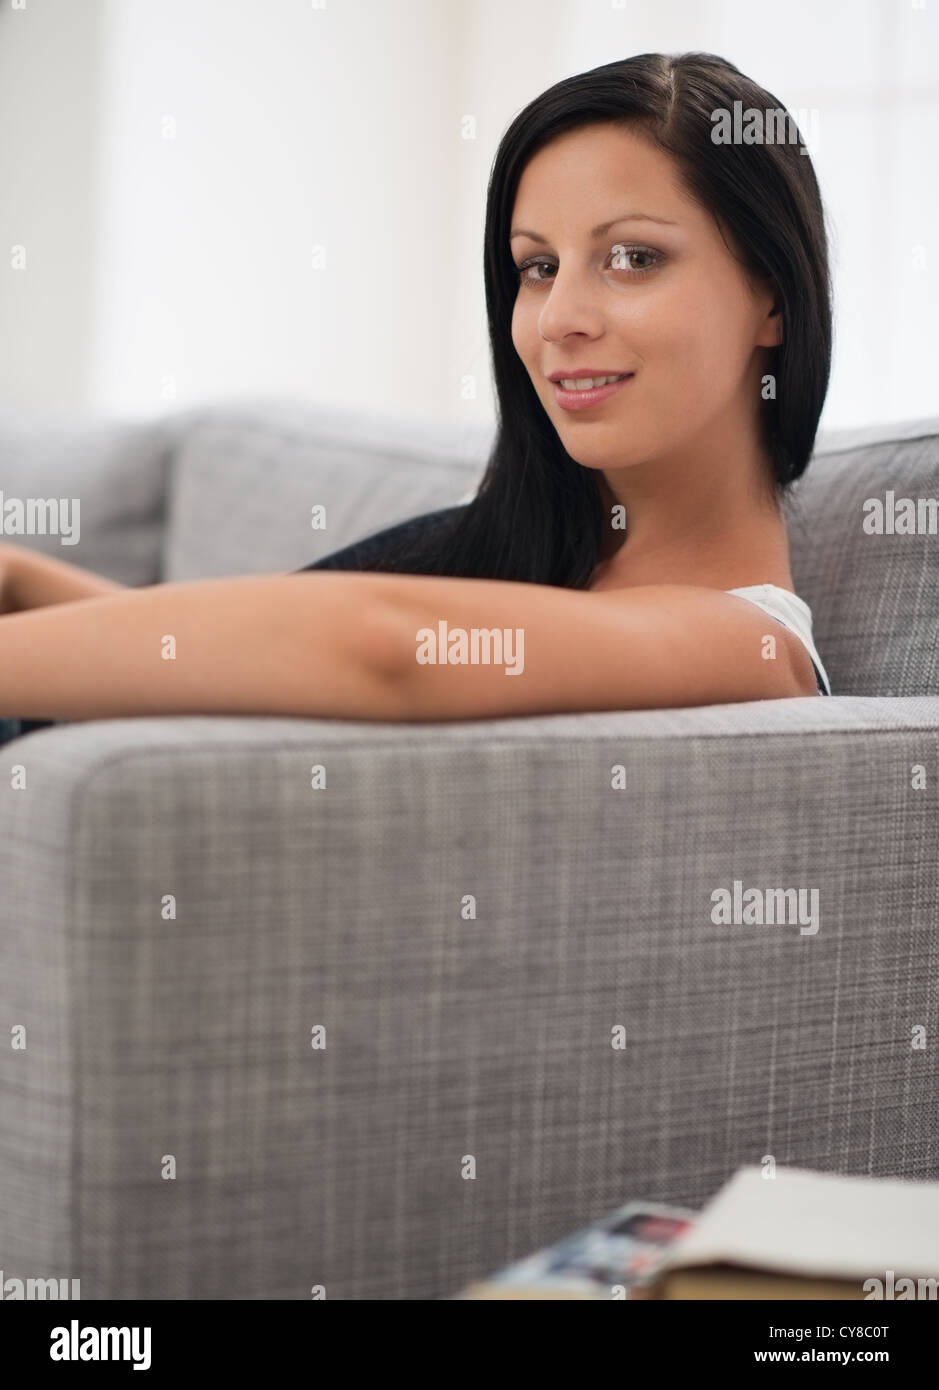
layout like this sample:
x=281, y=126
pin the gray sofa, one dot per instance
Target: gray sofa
x=493, y=1075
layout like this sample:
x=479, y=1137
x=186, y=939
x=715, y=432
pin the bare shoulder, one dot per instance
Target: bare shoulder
x=801, y=662
x=467, y=647
x=716, y=639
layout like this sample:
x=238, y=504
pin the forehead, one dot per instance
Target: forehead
x=595, y=172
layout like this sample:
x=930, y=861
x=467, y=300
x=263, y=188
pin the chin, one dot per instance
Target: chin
x=593, y=454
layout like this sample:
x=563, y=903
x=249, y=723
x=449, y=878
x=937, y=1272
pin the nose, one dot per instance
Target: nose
x=572, y=305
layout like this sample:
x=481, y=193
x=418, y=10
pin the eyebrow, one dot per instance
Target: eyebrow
x=601, y=229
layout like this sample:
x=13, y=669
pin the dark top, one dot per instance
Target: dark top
x=361, y=555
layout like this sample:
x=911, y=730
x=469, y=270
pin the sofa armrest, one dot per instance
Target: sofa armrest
x=380, y=1007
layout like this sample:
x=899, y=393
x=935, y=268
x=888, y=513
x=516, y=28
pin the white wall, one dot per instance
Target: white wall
x=178, y=270
x=293, y=128
x=50, y=85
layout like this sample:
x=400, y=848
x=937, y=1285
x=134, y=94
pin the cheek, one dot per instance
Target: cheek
x=674, y=345
x=522, y=327
x=528, y=344
x=720, y=325
x=693, y=334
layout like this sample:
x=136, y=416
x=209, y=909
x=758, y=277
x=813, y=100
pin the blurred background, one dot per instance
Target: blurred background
x=217, y=199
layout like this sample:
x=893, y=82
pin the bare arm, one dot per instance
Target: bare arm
x=307, y=644
x=346, y=644
x=547, y=650
x=31, y=579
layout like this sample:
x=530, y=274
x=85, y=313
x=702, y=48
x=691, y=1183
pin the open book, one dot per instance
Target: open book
x=802, y=1234
x=798, y=1234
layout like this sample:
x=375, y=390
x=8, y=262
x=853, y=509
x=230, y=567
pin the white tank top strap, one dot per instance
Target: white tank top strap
x=794, y=613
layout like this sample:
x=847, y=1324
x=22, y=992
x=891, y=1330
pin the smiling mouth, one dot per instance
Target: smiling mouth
x=580, y=393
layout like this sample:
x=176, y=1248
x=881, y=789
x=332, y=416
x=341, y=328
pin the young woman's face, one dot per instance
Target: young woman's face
x=663, y=299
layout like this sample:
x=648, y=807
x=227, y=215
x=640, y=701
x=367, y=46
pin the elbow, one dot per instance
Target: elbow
x=380, y=634
x=390, y=643
x=383, y=639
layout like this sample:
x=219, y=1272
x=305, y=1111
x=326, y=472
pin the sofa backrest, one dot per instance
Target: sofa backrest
x=873, y=587
x=245, y=480
x=116, y=471
x=245, y=477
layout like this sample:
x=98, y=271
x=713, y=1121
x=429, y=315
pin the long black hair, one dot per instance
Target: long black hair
x=538, y=515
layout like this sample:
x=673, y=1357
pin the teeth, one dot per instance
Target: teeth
x=589, y=383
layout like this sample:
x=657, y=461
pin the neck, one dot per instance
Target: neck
x=707, y=520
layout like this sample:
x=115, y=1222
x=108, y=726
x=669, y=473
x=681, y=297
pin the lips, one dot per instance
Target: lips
x=581, y=399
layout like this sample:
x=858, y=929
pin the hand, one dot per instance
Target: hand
x=29, y=578
x=8, y=560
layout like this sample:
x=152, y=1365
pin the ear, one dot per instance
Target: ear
x=771, y=329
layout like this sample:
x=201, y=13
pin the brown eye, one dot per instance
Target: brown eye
x=623, y=257
x=531, y=265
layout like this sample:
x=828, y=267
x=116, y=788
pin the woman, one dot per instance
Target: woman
x=628, y=530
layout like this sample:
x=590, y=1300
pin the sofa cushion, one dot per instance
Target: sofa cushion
x=246, y=477
x=874, y=594
x=116, y=469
